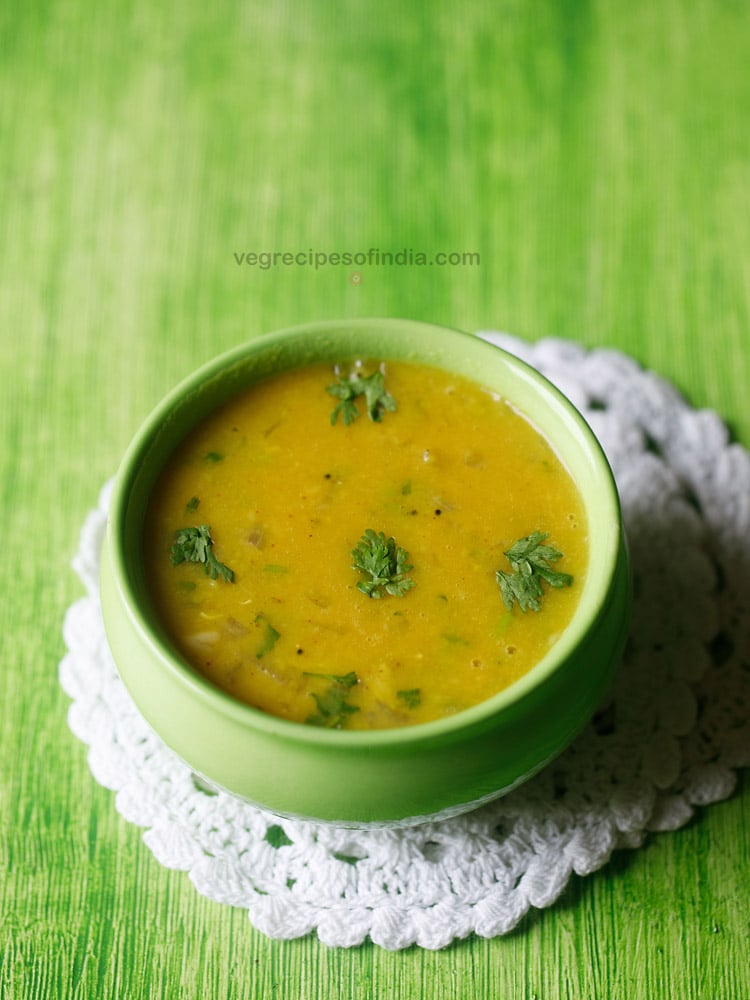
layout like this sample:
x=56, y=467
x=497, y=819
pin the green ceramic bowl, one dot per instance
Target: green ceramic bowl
x=384, y=776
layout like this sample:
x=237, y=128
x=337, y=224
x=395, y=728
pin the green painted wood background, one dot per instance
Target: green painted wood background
x=595, y=154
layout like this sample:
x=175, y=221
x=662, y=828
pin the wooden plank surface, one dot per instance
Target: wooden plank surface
x=596, y=155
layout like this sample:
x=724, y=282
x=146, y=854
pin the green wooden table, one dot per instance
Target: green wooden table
x=596, y=156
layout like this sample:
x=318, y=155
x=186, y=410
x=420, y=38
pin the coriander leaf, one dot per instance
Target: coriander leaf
x=269, y=639
x=384, y=563
x=412, y=697
x=333, y=708
x=196, y=545
x=345, y=680
x=192, y=504
x=346, y=408
x=530, y=561
x=372, y=387
x=455, y=639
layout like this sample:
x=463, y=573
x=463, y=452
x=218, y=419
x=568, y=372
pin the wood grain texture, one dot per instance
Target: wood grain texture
x=595, y=154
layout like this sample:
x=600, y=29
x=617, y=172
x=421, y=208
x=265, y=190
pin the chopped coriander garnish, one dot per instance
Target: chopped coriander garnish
x=192, y=504
x=530, y=560
x=504, y=623
x=412, y=697
x=384, y=563
x=372, y=387
x=455, y=639
x=269, y=639
x=333, y=708
x=213, y=456
x=345, y=680
x=196, y=545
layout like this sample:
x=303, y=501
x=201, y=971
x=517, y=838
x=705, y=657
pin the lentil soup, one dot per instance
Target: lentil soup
x=264, y=527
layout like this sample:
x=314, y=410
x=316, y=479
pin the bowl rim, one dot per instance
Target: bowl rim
x=591, y=606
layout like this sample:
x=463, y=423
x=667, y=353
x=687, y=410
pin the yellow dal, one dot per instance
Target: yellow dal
x=455, y=475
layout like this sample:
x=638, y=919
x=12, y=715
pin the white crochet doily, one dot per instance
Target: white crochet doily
x=667, y=740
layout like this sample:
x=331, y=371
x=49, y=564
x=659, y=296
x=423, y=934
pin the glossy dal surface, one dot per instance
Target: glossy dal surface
x=454, y=475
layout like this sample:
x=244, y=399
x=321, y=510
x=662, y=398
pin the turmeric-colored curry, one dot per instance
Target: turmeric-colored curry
x=330, y=545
